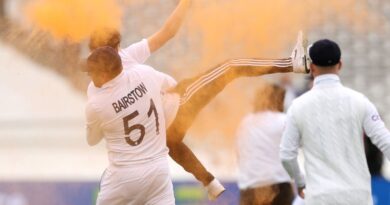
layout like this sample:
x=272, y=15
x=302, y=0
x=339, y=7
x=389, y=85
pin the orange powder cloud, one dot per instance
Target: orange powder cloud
x=226, y=29
x=260, y=28
x=216, y=31
x=74, y=19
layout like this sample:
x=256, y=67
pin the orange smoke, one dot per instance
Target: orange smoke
x=246, y=28
x=259, y=28
x=226, y=29
x=216, y=31
x=74, y=19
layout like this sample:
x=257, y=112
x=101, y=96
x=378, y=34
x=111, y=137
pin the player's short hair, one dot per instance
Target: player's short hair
x=104, y=59
x=105, y=37
x=269, y=97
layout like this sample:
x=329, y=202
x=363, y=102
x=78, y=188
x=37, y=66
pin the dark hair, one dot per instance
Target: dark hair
x=104, y=59
x=105, y=37
x=269, y=97
x=325, y=53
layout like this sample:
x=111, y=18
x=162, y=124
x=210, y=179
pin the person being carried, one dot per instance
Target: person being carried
x=189, y=96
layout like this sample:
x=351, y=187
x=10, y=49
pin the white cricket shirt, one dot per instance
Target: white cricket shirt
x=258, y=139
x=128, y=110
x=328, y=123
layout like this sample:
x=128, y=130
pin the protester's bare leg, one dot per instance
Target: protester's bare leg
x=197, y=92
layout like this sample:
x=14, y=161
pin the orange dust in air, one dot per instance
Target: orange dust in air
x=225, y=29
x=74, y=20
x=260, y=28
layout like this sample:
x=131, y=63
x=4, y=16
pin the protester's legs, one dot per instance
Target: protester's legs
x=187, y=159
x=197, y=92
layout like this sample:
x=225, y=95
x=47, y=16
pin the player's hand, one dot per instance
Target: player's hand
x=301, y=192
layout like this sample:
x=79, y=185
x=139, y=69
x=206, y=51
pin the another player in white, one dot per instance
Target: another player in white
x=328, y=122
x=262, y=179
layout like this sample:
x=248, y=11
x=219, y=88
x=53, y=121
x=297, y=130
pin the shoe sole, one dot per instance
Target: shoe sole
x=305, y=45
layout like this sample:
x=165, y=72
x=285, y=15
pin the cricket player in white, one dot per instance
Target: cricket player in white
x=126, y=109
x=138, y=53
x=328, y=123
x=262, y=179
x=192, y=94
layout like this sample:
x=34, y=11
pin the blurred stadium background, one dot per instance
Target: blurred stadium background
x=44, y=158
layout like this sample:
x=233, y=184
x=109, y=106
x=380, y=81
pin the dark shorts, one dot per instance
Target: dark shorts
x=276, y=194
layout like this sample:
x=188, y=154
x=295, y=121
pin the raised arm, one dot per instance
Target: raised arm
x=170, y=28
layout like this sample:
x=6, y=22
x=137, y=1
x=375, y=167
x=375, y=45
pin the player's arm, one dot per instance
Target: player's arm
x=376, y=130
x=93, y=126
x=289, y=152
x=170, y=28
x=94, y=135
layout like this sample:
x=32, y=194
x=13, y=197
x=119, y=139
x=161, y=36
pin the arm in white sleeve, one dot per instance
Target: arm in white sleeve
x=94, y=132
x=376, y=130
x=136, y=53
x=289, y=150
x=292, y=168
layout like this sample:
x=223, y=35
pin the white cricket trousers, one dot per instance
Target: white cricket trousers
x=147, y=183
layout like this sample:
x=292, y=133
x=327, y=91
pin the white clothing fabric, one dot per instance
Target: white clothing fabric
x=258, y=140
x=138, y=53
x=289, y=97
x=145, y=183
x=171, y=104
x=298, y=201
x=328, y=123
x=128, y=112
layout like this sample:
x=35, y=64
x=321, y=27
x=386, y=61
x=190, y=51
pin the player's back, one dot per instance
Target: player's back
x=330, y=120
x=129, y=108
x=258, y=140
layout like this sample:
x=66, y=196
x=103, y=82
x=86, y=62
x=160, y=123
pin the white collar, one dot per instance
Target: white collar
x=113, y=81
x=326, y=78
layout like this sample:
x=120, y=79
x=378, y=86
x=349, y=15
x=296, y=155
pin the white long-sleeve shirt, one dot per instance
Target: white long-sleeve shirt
x=328, y=123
